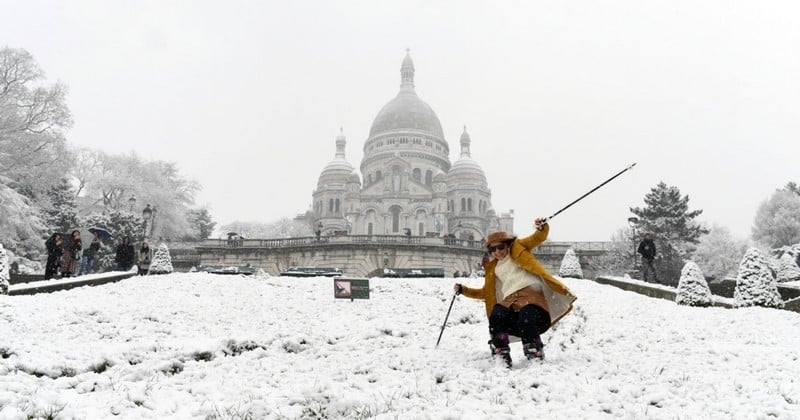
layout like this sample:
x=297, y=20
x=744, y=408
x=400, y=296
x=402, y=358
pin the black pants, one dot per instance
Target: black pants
x=528, y=324
x=649, y=270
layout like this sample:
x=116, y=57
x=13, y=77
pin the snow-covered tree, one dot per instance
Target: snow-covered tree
x=777, y=221
x=4, y=276
x=33, y=116
x=570, y=266
x=21, y=226
x=162, y=261
x=201, y=224
x=108, y=182
x=675, y=232
x=787, y=269
x=718, y=254
x=61, y=211
x=755, y=285
x=792, y=187
x=692, y=287
x=120, y=223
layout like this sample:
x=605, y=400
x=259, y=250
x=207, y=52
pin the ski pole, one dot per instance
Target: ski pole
x=546, y=219
x=445, y=318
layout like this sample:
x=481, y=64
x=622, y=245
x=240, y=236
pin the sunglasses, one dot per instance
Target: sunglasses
x=498, y=247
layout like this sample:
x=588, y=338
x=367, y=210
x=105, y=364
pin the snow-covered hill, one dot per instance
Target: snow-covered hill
x=211, y=346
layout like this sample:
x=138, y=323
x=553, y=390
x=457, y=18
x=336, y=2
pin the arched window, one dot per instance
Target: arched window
x=395, y=211
x=469, y=204
x=422, y=229
x=330, y=205
x=378, y=176
x=336, y=206
x=417, y=174
x=369, y=228
x=428, y=178
x=463, y=204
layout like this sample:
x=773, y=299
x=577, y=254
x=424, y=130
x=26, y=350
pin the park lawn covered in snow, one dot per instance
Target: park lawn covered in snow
x=211, y=346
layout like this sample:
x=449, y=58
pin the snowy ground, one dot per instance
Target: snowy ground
x=211, y=346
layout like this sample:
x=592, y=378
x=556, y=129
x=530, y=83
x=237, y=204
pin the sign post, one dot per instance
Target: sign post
x=350, y=288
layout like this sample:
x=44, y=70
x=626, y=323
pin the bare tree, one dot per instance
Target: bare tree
x=32, y=116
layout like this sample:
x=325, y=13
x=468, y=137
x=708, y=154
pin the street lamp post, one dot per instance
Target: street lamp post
x=132, y=202
x=633, y=222
x=147, y=213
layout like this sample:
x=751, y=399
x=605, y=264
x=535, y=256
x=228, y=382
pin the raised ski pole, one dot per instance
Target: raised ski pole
x=593, y=190
x=445, y=318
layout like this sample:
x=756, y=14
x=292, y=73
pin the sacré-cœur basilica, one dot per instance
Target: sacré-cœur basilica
x=409, y=208
x=407, y=185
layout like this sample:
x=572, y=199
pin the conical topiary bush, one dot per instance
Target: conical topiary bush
x=162, y=261
x=570, y=266
x=755, y=285
x=692, y=287
x=787, y=268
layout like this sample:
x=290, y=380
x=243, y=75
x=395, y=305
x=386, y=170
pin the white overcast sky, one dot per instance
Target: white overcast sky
x=248, y=96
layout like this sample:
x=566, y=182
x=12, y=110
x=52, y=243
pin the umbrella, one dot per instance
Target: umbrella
x=102, y=234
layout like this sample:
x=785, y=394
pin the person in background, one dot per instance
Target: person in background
x=124, y=255
x=648, y=250
x=71, y=254
x=89, y=256
x=521, y=297
x=53, y=245
x=145, y=257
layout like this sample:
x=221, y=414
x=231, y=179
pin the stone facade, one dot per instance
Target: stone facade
x=407, y=184
x=367, y=255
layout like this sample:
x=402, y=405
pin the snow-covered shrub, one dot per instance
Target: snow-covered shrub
x=261, y=274
x=4, y=277
x=162, y=261
x=755, y=285
x=787, y=269
x=570, y=266
x=692, y=287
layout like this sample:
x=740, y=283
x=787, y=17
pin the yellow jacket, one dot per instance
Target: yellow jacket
x=558, y=296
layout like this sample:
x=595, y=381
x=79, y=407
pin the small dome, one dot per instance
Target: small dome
x=465, y=170
x=338, y=170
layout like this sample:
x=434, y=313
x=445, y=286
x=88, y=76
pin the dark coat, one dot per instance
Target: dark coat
x=125, y=254
x=647, y=248
x=91, y=252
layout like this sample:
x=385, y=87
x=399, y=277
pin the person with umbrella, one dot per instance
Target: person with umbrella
x=101, y=233
x=90, y=255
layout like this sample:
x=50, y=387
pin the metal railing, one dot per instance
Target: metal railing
x=339, y=240
x=548, y=247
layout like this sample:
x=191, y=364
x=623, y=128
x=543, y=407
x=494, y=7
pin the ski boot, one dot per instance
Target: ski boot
x=499, y=347
x=533, y=349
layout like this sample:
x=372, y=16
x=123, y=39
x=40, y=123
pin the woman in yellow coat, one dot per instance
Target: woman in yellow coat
x=521, y=297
